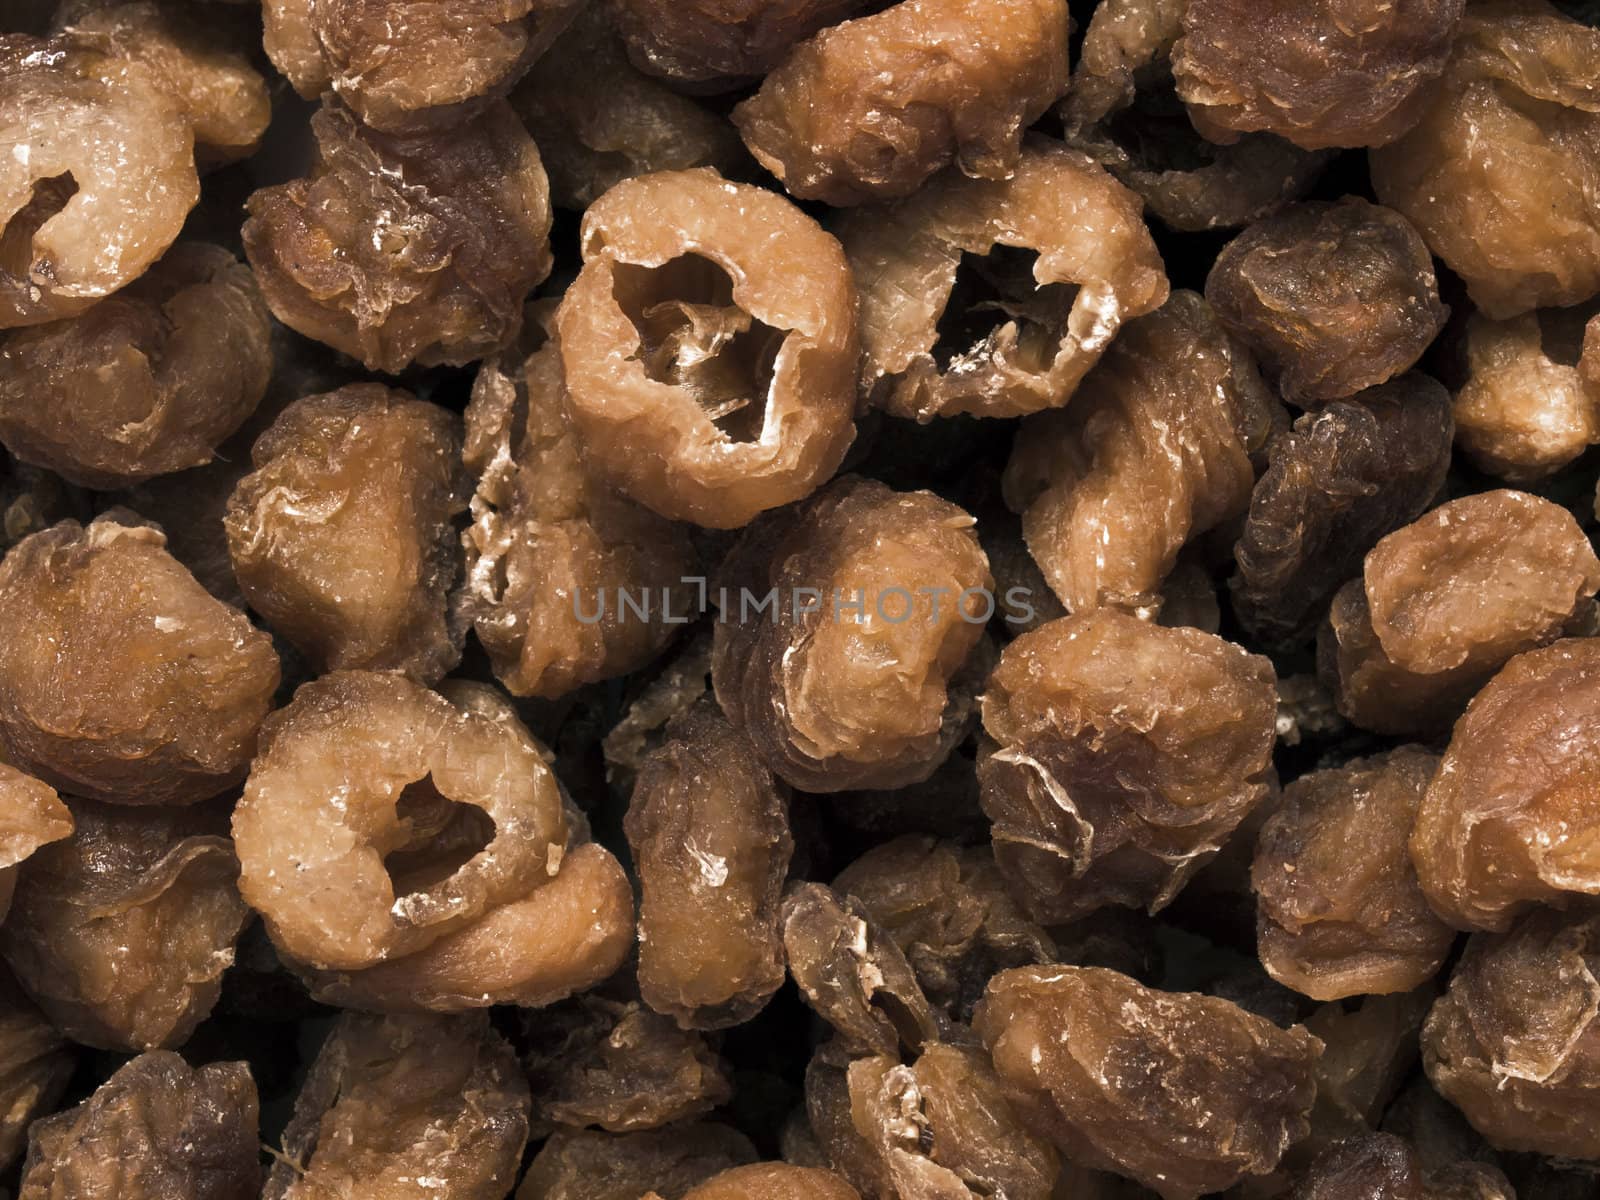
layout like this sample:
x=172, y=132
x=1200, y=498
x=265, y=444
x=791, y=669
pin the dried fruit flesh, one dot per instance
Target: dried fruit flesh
x=1380, y=1166
x=586, y=1164
x=773, y=1181
x=31, y=816
x=36, y=1063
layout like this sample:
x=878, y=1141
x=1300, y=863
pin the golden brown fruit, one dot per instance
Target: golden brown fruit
x=869, y=109
x=35, y=1064
x=993, y=297
x=342, y=536
x=586, y=1164
x=711, y=45
x=709, y=345
x=1502, y=174
x=402, y=248
x=31, y=816
x=861, y=671
x=96, y=180
x=445, y=814
x=156, y=1130
x=121, y=678
x=1340, y=912
x=149, y=381
x=1514, y=1043
x=1380, y=1166
x=1335, y=298
x=291, y=43
x=121, y=933
x=773, y=1181
x=1504, y=825
x=1127, y=754
x=1328, y=73
x=1186, y=1094
x=553, y=548
x=1154, y=450
x=406, y=1108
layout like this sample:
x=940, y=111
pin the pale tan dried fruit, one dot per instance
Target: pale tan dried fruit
x=291, y=43
x=342, y=538
x=36, y=1063
x=711, y=45
x=1186, y=1094
x=954, y=316
x=402, y=248
x=862, y=670
x=1502, y=174
x=406, y=1108
x=870, y=108
x=709, y=347
x=121, y=678
x=1154, y=450
x=773, y=1181
x=31, y=816
x=586, y=1164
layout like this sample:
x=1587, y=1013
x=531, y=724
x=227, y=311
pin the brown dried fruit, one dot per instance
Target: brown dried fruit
x=828, y=1118
x=1187, y=1094
x=773, y=1181
x=31, y=816
x=1502, y=174
x=35, y=1064
x=1335, y=298
x=1447, y=600
x=709, y=347
x=1343, y=477
x=994, y=297
x=406, y=1108
x=1341, y=912
x=149, y=381
x=947, y=909
x=1368, y=1051
x=406, y=248
x=291, y=43
x=711, y=45
x=583, y=1164
x=553, y=549
x=1330, y=73
x=1514, y=1043
x=98, y=181
x=1380, y=1166
x=121, y=678
x=861, y=671
x=1154, y=450
x=1504, y=826
x=868, y=109
x=617, y=1065
x=1127, y=754
x=33, y=499
x=342, y=538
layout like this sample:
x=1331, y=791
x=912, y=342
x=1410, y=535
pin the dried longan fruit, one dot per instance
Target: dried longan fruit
x=773, y=1181
x=36, y=1063
x=588, y=1164
x=31, y=816
x=1382, y=1165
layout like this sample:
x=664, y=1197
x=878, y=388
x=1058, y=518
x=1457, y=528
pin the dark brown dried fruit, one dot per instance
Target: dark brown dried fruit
x=828, y=1119
x=1154, y=450
x=582, y=1164
x=1504, y=826
x=1329, y=73
x=773, y=1181
x=1341, y=912
x=149, y=381
x=1514, y=1043
x=33, y=499
x=156, y=1130
x=1187, y=1094
x=406, y=1107
x=861, y=670
x=956, y=319
x=1127, y=754
x=1335, y=298
x=341, y=537
x=710, y=45
x=1368, y=1051
x=709, y=347
x=1343, y=477
x=35, y=1065
x=869, y=109
x=1502, y=174
x=121, y=678
x=406, y=248
x=1380, y=1166
x=31, y=816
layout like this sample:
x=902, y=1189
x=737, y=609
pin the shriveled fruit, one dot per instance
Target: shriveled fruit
x=1343, y=477
x=121, y=678
x=1380, y=1166
x=861, y=671
x=1153, y=450
x=156, y=1130
x=709, y=347
x=31, y=816
x=149, y=381
x=1127, y=753
x=993, y=297
x=1502, y=174
x=773, y=1181
x=586, y=1164
x=342, y=538
x=709, y=45
x=870, y=108
x=1370, y=1047
x=35, y=1065
x=406, y=1108
x=291, y=43
x=402, y=248
x=1335, y=298
x=1186, y=1094
x=1340, y=910
x=1329, y=73
x=33, y=499
x=1504, y=826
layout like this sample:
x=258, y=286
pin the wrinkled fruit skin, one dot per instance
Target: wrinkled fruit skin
x=1380, y=1166
x=31, y=816
x=1186, y=1094
x=36, y=1063
x=773, y=1181
x=587, y=1164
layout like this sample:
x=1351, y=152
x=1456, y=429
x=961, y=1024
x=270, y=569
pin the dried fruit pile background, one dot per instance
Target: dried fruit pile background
x=799, y=599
